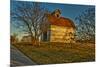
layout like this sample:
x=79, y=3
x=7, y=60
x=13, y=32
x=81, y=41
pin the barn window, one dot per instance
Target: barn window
x=57, y=15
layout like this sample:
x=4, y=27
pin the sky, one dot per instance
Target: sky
x=67, y=10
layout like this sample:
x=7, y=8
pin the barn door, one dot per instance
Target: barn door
x=45, y=37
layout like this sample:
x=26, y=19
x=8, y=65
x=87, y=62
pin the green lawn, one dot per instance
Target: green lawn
x=52, y=53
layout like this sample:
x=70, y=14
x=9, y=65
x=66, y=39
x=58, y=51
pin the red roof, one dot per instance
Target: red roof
x=60, y=21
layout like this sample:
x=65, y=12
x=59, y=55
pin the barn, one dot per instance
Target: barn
x=61, y=29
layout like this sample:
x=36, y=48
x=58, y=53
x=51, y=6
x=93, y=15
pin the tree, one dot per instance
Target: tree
x=13, y=38
x=30, y=17
x=86, y=25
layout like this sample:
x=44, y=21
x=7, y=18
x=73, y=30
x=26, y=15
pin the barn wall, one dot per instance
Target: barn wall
x=61, y=34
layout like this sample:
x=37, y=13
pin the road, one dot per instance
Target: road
x=19, y=59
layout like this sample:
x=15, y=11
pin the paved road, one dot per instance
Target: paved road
x=19, y=59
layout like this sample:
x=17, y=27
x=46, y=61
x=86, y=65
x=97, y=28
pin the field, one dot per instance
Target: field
x=53, y=53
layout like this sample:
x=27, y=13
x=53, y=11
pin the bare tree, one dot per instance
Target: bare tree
x=86, y=25
x=13, y=38
x=29, y=16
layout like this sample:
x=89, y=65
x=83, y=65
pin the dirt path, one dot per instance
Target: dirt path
x=18, y=58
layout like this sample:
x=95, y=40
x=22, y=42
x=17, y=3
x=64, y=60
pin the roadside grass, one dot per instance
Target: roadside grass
x=53, y=53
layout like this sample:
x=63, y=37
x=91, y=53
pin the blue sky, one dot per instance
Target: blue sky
x=67, y=10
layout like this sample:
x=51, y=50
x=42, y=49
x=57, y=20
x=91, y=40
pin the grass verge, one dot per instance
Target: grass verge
x=53, y=53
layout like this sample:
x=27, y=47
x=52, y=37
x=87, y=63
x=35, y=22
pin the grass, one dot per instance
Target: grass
x=53, y=53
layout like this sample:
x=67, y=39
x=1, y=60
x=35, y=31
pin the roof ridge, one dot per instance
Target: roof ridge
x=61, y=21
